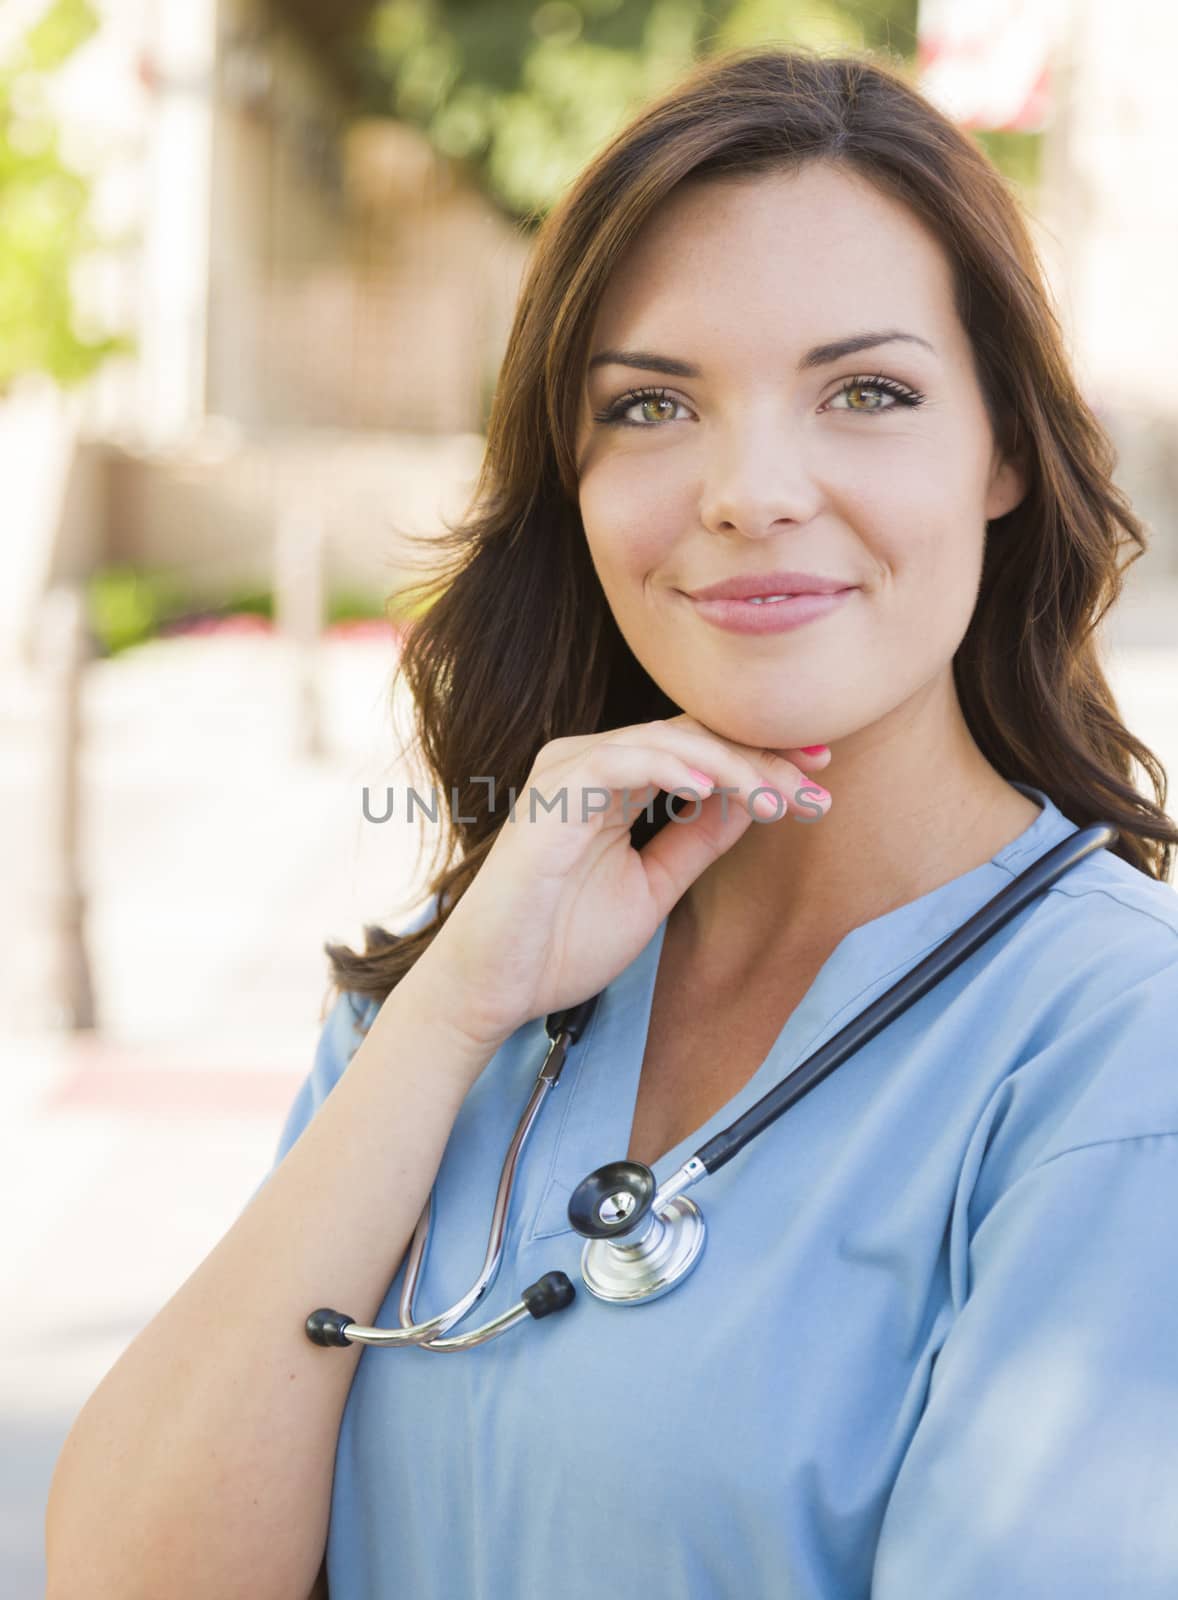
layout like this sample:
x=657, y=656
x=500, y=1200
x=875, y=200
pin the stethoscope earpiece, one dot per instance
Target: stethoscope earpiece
x=550, y=1293
x=638, y=1243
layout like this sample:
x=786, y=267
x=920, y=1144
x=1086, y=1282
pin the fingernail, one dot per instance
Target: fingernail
x=817, y=791
x=813, y=749
x=770, y=806
x=702, y=777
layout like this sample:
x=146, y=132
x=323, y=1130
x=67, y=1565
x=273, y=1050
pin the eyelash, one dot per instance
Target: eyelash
x=901, y=394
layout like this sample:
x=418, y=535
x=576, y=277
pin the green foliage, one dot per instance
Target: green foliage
x=43, y=211
x=54, y=37
x=1018, y=155
x=128, y=605
x=364, y=605
x=125, y=605
x=525, y=94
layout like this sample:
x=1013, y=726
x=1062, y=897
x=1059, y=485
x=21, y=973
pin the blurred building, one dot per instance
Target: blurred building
x=1109, y=217
x=1094, y=80
x=319, y=306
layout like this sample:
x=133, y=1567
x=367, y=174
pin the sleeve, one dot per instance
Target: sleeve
x=1046, y=1459
x=343, y=1029
x=340, y=1037
x=347, y=1023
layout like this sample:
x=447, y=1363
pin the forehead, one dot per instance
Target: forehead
x=792, y=257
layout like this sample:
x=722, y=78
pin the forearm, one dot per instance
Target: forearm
x=202, y=1464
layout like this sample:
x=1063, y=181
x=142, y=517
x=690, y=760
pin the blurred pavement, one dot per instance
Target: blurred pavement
x=217, y=867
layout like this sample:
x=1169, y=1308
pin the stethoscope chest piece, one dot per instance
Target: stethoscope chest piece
x=638, y=1244
x=641, y=1243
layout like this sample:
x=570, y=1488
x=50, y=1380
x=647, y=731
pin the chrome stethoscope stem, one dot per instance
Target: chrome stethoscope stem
x=642, y=1244
x=425, y=1331
x=334, y=1329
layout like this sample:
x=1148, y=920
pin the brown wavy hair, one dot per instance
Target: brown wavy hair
x=519, y=645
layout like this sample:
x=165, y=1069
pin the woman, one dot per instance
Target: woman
x=787, y=330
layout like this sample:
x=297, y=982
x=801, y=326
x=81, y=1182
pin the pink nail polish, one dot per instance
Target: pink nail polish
x=702, y=777
x=768, y=807
x=813, y=749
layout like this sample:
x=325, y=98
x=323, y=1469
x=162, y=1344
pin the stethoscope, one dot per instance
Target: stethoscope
x=638, y=1243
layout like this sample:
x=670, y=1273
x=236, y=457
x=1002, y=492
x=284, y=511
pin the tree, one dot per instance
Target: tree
x=43, y=211
x=524, y=94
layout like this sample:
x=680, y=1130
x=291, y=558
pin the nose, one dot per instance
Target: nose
x=758, y=477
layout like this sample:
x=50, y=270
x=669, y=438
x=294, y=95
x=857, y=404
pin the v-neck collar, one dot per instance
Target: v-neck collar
x=599, y=1085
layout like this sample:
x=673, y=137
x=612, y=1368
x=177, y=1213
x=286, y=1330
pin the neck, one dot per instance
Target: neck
x=915, y=804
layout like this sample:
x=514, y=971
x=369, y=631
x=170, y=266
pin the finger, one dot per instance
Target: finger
x=786, y=770
x=802, y=795
x=791, y=778
x=683, y=849
x=811, y=757
x=738, y=768
x=632, y=774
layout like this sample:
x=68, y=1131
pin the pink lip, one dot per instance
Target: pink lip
x=762, y=583
x=742, y=616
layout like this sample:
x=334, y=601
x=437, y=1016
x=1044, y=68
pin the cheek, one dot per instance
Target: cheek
x=920, y=511
x=630, y=525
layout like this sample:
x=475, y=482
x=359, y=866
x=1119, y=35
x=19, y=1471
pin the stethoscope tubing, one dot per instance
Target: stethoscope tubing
x=549, y=1074
x=429, y=1335
x=565, y=1027
x=915, y=983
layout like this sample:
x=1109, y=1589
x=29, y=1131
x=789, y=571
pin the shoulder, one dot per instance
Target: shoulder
x=1100, y=930
x=1102, y=925
x=1092, y=977
x=342, y=1028
x=1122, y=900
x=349, y=1017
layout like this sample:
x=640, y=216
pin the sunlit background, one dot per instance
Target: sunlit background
x=258, y=263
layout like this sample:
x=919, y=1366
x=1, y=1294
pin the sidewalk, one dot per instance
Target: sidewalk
x=216, y=865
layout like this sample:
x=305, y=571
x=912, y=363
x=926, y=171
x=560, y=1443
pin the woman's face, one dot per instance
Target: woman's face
x=874, y=467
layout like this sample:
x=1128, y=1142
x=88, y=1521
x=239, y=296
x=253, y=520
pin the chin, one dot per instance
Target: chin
x=740, y=730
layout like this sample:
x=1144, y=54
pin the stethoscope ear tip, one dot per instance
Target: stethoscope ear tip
x=326, y=1327
x=550, y=1293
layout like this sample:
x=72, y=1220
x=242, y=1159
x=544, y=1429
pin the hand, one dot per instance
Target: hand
x=563, y=901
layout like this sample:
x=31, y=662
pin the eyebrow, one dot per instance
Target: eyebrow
x=820, y=356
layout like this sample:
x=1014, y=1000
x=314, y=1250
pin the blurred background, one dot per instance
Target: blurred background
x=258, y=263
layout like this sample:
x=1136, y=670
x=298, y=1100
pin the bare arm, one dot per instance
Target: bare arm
x=202, y=1464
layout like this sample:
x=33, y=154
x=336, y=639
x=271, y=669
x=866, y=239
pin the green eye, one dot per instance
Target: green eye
x=875, y=394
x=617, y=411
x=656, y=402
x=855, y=393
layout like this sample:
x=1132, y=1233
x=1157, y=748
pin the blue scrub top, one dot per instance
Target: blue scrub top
x=931, y=1347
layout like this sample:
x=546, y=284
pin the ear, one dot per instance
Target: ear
x=1007, y=488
